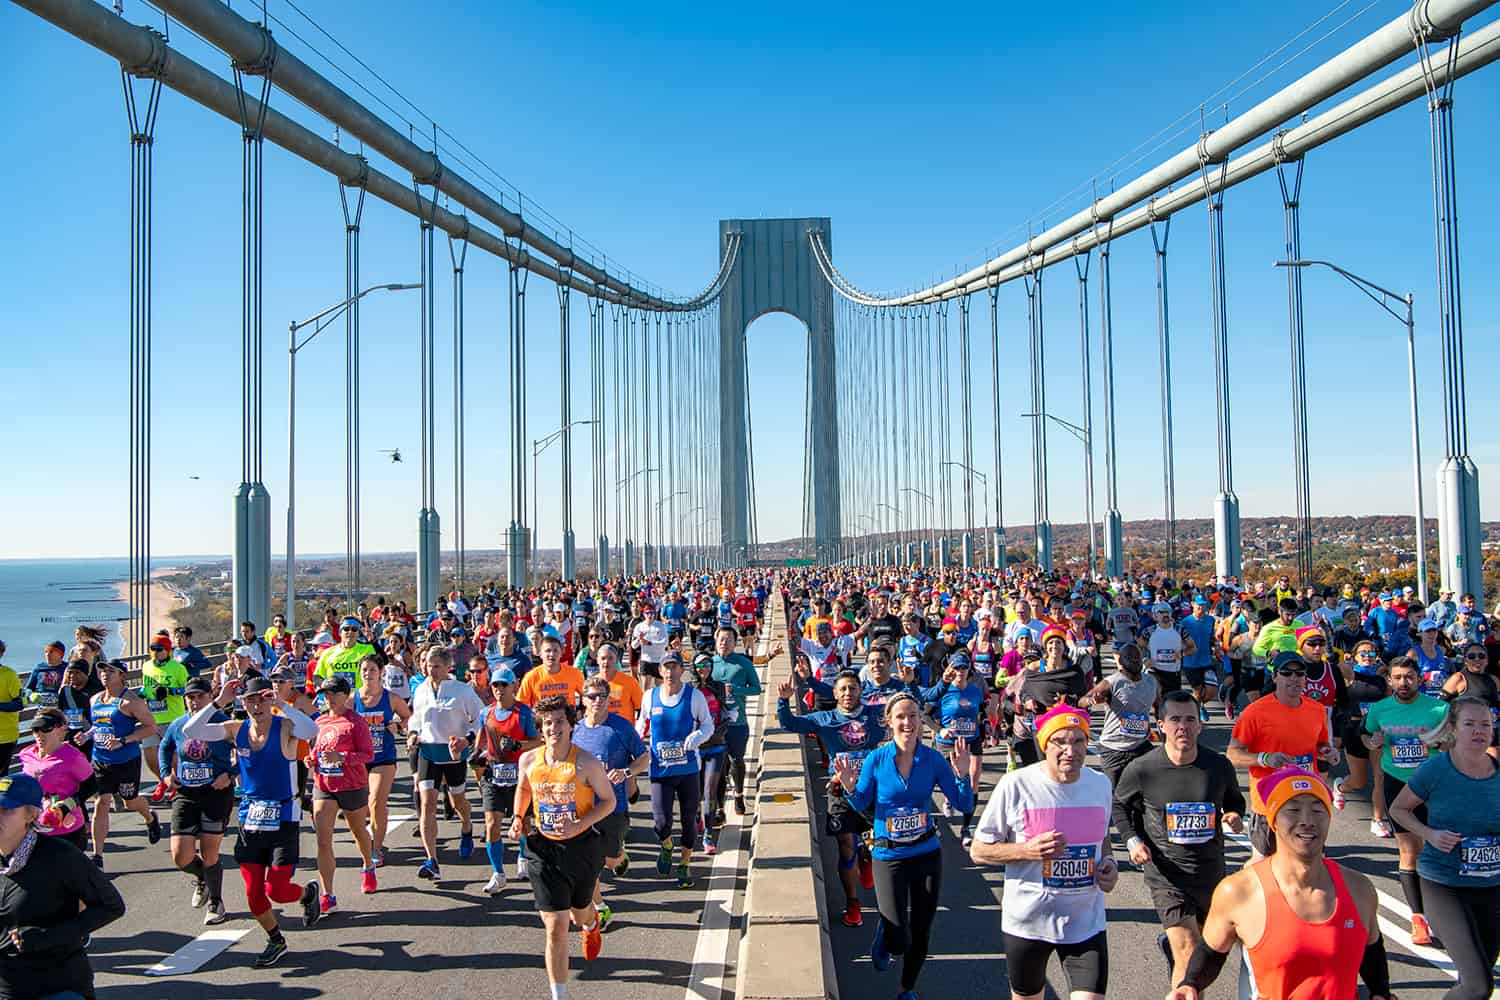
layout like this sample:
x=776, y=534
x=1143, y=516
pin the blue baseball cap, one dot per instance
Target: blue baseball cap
x=1200, y=599
x=351, y=623
x=19, y=790
x=502, y=675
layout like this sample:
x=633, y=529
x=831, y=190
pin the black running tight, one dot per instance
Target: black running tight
x=907, y=892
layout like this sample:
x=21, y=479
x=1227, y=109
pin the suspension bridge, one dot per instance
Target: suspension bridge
x=893, y=476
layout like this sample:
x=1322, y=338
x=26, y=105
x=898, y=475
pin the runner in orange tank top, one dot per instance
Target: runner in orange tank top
x=570, y=792
x=1308, y=926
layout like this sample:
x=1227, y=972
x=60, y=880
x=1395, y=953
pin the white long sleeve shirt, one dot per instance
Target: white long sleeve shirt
x=453, y=709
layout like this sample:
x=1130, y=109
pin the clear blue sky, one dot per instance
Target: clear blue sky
x=928, y=139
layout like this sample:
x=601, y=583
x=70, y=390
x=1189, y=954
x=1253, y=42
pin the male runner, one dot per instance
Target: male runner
x=564, y=793
x=1170, y=805
x=620, y=749
x=737, y=673
x=1308, y=926
x=507, y=729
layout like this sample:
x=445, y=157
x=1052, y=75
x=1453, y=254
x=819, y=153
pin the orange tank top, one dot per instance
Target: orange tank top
x=556, y=792
x=1297, y=959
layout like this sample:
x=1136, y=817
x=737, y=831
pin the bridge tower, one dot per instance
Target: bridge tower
x=775, y=272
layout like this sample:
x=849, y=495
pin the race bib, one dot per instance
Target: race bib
x=330, y=770
x=1134, y=723
x=1165, y=657
x=155, y=705
x=47, y=699
x=195, y=775
x=550, y=816
x=74, y=717
x=102, y=732
x=1303, y=760
x=1408, y=751
x=905, y=824
x=670, y=752
x=261, y=816
x=504, y=775
x=1479, y=857
x=1190, y=822
x=964, y=726
x=379, y=737
x=984, y=668
x=1073, y=872
x=855, y=757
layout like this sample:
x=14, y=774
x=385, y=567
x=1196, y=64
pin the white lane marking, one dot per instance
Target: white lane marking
x=196, y=953
x=392, y=824
x=1432, y=956
x=716, y=933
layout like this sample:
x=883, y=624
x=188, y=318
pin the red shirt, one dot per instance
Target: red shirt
x=349, y=734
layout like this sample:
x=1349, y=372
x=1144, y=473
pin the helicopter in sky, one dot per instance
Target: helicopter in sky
x=394, y=453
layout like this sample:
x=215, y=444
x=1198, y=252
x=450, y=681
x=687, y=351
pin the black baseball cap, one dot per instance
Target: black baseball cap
x=197, y=685
x=334, y=685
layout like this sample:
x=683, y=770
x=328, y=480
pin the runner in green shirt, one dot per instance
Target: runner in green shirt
x=343, y=659
x=163, y=680
x=1396, y=725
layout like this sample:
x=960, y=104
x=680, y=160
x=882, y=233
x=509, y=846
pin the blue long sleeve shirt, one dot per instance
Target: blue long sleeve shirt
x=957, y=708
x=194, y=762
x=852, y=737
x=903, y=806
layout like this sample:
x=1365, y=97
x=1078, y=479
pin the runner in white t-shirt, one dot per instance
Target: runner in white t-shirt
x=1049, y=826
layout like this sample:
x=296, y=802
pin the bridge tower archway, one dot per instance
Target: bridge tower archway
x=775, y=272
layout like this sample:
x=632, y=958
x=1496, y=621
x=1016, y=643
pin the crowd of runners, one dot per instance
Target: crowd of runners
x=566, y=703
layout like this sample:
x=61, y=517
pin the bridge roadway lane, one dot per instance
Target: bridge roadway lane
x=414, y=938
x=966, y=959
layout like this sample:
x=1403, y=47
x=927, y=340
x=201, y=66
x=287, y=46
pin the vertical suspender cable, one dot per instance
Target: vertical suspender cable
x=999, y=556
x=1226, y=504
x=1289, y=177
x=457, y=257
x=1159, y=237
x=428, y=537
x=565, y=392
x=351, y=393
x=1114, y=541
x=1081, y=268
x=142, y=132
x=967, y=396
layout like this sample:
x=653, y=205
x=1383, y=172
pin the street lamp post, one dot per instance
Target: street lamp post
x=1383, y=297
x=322, y=319
x=932, y=515
x=539, y=445
x=969, y=534
x=630, y=518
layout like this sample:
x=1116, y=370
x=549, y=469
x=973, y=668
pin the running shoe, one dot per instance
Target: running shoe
x=367, y=883
x=853, y=914
x=429, y=870
x=1381, y=828
x=275, y=948
x=215, y=913
x=523, y=868
x=684, y=877
x=623, y=866
x=1338, y=793
x=879, y=957
x=710, y=845
x=310, y=910
x=1421, y=932
x=866, y=871
x=153, y=829
x=158, y=793
x=496, y=885
x=593, y=942
x=739, y=804
x=379, y=857
x=605, y=917
x=327, y=904
x=200, y=894
x=664, y=860
x=465, y=845
x=1166, y=951
x=718, y=819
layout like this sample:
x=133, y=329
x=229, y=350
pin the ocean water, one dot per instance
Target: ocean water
x=45, y=599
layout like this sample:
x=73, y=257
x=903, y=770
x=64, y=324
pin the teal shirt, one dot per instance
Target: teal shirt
x=1401, y=725
x=1469, y=807
x=737, y=673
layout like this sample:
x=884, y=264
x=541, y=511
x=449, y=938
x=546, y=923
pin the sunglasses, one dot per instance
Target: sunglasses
x=594, y=696
x=1315, y=642
x=1476, y=656
x=1291, y=673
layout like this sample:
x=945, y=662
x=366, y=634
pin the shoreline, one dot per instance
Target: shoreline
x=164, y=599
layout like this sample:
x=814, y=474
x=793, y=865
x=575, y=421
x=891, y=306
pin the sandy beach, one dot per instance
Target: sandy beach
x=164, y=600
